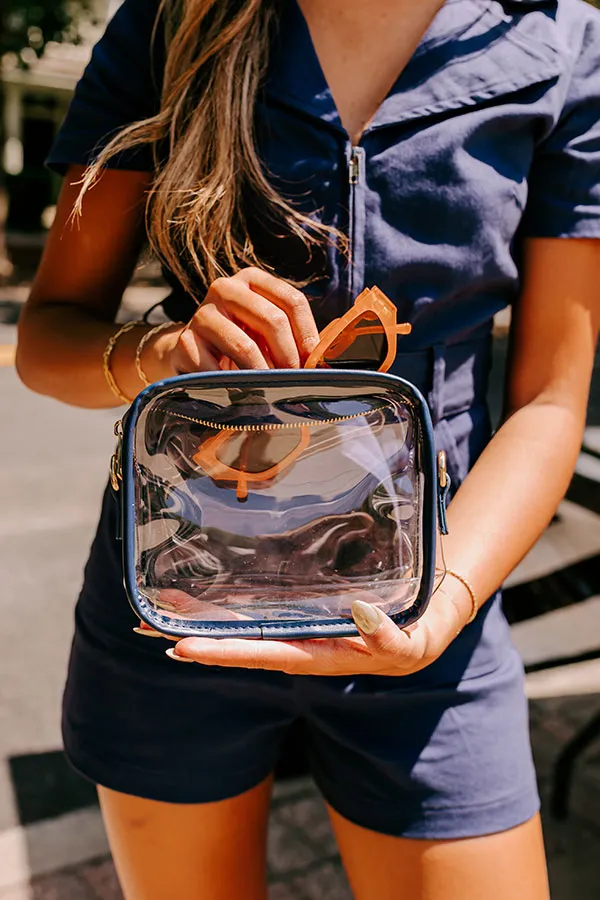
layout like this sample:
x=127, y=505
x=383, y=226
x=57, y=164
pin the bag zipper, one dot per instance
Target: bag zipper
x=271, y=426
x=116, y=468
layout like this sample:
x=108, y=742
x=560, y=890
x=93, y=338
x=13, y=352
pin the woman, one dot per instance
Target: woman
x=456, y=147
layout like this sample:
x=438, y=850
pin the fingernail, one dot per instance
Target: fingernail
x=148, y=632
x=172, y=655
x=367, y=617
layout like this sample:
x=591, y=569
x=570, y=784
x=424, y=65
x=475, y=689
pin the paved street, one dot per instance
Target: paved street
x=53, y=465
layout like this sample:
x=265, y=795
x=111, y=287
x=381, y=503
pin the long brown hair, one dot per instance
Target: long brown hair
x=204, y=143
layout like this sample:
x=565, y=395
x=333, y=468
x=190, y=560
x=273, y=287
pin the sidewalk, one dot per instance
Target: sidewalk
x=303, y=860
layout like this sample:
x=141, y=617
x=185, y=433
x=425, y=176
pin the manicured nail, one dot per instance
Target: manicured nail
x=148, y=632
x=172, y=655
x=367, y=617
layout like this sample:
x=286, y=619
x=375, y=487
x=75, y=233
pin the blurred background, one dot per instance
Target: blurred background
x=53, y=465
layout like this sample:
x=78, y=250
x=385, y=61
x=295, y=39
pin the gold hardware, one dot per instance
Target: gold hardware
x=115, y=462
x=354, y=169
x=442, y=468
x=114, y=472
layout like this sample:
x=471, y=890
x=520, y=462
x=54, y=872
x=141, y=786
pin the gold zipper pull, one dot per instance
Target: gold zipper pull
x=443, y=468
x=444, y=484
x=116, y=474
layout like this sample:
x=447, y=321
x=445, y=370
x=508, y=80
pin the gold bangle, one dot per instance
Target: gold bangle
x=110, y=380
x=469, y=587
x=140, y=347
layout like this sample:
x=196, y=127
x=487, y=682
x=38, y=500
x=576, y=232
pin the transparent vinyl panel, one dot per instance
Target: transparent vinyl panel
x=263, y=504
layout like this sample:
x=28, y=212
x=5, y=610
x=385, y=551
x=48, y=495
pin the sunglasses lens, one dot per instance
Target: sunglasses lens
x=256, y=453
x=362, y=345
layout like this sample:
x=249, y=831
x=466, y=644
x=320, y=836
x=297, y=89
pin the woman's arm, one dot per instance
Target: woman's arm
x=252, y=319
x=507, y=499
x=84, y=271
x=513, y=491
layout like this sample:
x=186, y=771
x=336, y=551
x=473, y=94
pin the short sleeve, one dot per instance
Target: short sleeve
x=120, y=85
x=564, y=183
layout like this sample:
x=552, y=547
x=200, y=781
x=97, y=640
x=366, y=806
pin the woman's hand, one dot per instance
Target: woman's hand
x=252, y=320
x=382, y=648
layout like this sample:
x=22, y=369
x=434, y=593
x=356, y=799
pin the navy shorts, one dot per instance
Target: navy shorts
x=440, y=754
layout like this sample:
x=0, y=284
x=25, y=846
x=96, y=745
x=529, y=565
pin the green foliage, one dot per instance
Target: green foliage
x=26, y=26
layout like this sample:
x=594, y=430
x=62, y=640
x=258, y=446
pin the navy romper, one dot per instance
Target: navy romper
x=490, y=135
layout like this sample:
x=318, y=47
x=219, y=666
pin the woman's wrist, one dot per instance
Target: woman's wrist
x=468, y=587
x=111, y=382
x=155, y=359
x=459, y=592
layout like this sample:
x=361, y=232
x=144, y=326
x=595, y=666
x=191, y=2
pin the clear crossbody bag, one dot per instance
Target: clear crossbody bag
x=261, y=504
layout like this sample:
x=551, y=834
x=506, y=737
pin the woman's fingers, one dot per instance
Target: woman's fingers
x=310, y=657
x=382, y=636
x=145, y=631
x=381, y=649
x=252, y=320
x=211, y=328
x=330, y=656
x=191, y=354
x=266, y=319
x=292, y=302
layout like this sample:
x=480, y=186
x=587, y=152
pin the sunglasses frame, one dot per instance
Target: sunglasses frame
x=206, y=457
x=371, y=300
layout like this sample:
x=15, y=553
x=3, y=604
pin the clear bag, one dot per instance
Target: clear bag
x=263, y=503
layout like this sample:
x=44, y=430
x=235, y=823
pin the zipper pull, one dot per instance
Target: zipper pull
x=444, y=484
x=116, y=473
x=354, y=167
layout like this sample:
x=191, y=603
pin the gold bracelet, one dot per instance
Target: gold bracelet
x=140, y=347
x=469, y=587
x=110, y=380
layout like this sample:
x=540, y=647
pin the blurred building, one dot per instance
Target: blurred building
x=35, y=100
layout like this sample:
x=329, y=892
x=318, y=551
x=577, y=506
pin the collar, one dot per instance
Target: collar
x=473, y=51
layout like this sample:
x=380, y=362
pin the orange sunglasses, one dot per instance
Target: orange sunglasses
x=207, y=457
x=364, y=337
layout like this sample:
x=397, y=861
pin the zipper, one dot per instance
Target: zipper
x=271, y=426
x=356, y=221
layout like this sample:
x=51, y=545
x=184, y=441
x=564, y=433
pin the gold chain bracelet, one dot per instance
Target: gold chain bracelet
x=469, y=587
x=108, y=375
x=140, y=348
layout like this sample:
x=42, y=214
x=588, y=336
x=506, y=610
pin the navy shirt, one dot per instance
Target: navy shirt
x=490, y=134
